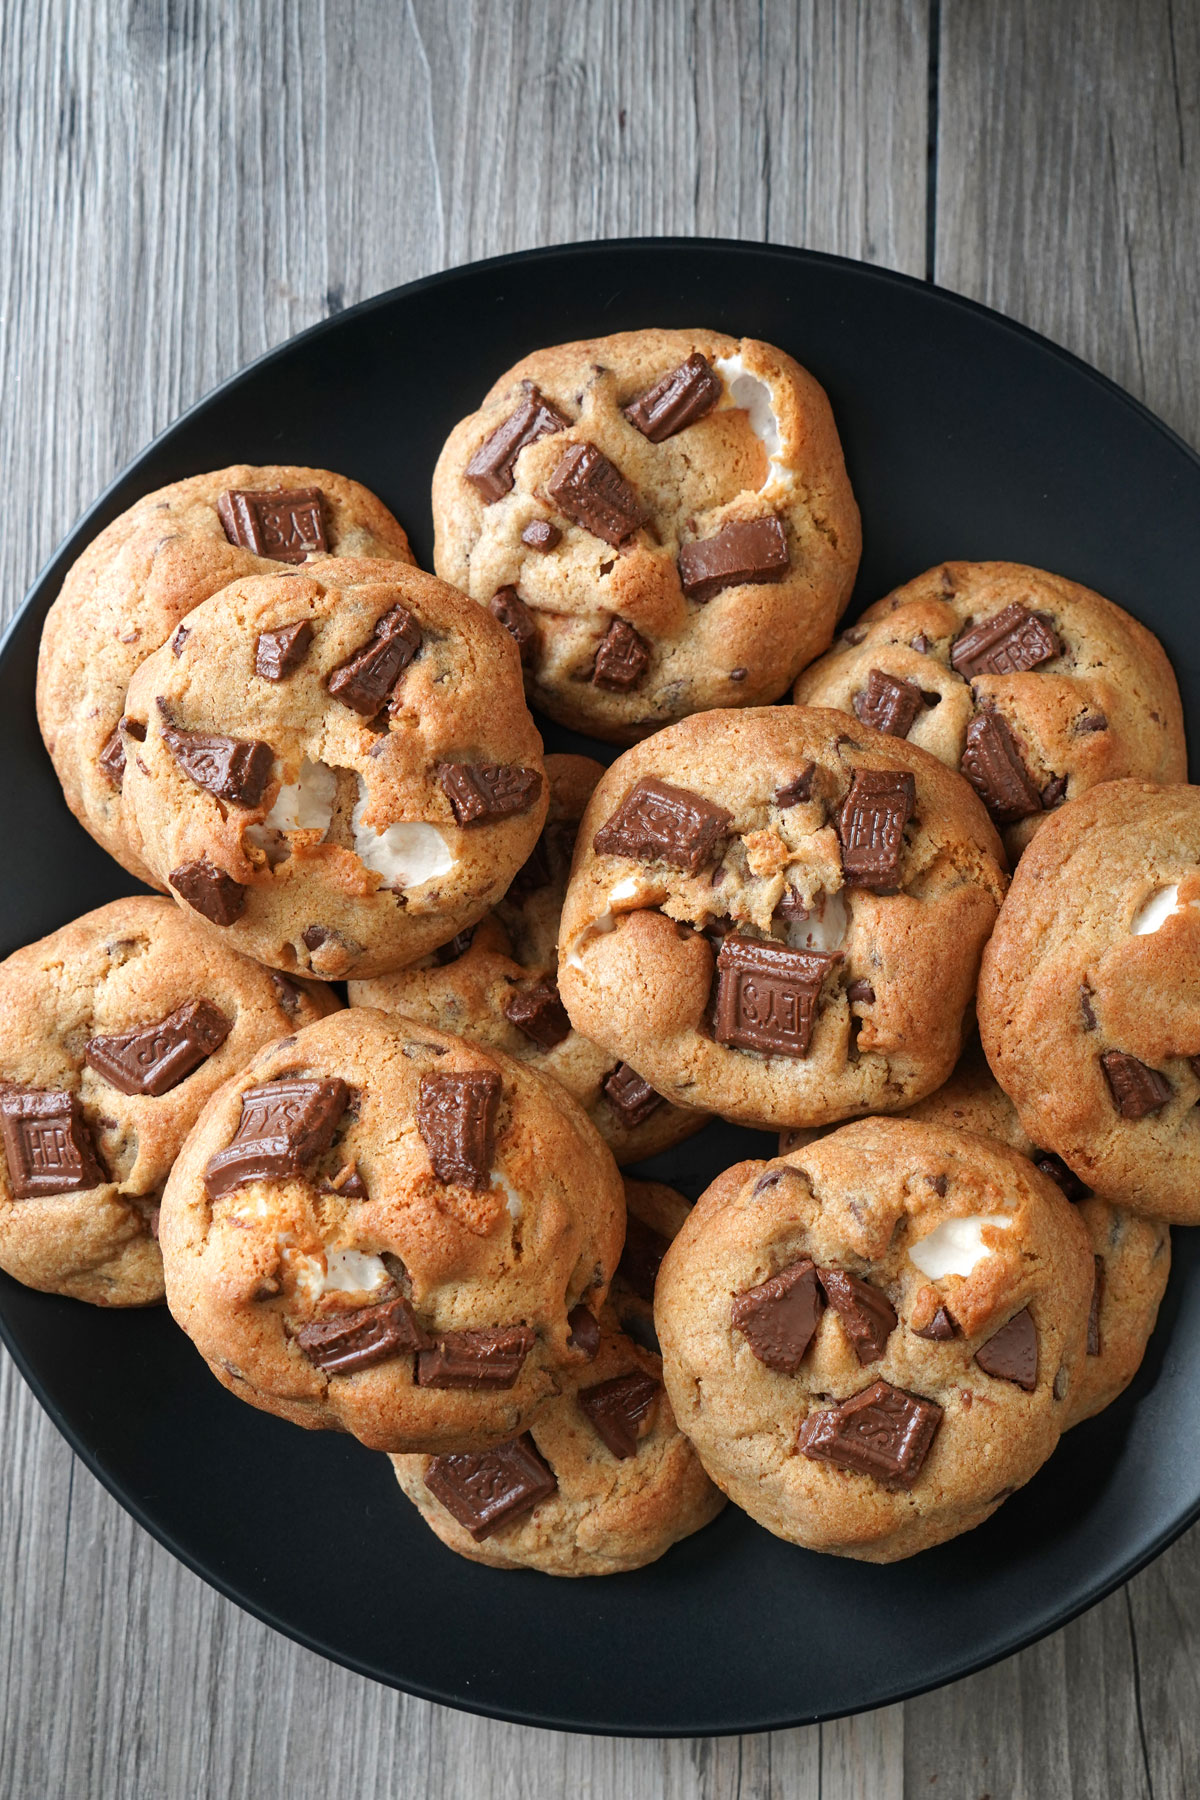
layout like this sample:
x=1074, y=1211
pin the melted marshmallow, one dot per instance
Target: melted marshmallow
x=305, y=804
x=752, y=393
x=1153, y=913
x=629, y=889
x=405, y=854
x=352, y=1272
x=512, y=1199
x=955, y=1246
x=825, y=927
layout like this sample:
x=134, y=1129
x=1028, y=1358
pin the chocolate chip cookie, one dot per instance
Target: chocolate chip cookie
x=1036, y=688
x=336, y=768
x=382, y=1229
x=778, y=915
x=654, y=1213
x=1089, y=995
x=661, y=518
x=135, y=584
x=874, y=1340
x=497, y=983
x=114, y=1032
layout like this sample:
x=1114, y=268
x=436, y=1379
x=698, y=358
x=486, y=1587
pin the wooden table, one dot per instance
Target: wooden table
x=186, y=182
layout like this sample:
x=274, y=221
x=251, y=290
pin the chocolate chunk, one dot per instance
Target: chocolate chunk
x=485, y=1489
x=861, y=992
x=456, y=1117
x=277, y=653
x=507, y=606
x=1009, y=642
x=152, y=1059
x=479, y=1360
x=284, y=1124
x=541, y=535
x=746, y=550
x=1085, y=1007
x=539, y=1013
x=479, y=792
x=678, y=400
x=641, y=1257
x=286, y=524
x=881, y=1431
x=868, y=1317
x=593, y=493
x=47, y=1143
x=871, y=827
x=798, y=789
x=584, y=1328
x=366, y=680
x=888, y=704
x=1065, y=1178
x=992, y=764
x=234, y=769
x=490, y=470
x=1136, y=1090
x=921, y=644
x=779, y=1317
x=345, y=1341
x=1053, y=791
x=853, y=634
x=1093, y=1324
x=940, y=1329
x=938, y=1183
x=458, y=946
x=210, y=891
x=1093, y=721
x=632, y=1099
x=112, y=757
x=660, y=823
x=616, y=1408
x=347, y=1182
x=1011, y=1354
x=790, y=906
x=135, y=729
x=286, y=992
x=621, y=659
x=767, y=995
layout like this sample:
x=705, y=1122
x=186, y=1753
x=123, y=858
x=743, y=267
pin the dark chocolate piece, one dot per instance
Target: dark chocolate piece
x=286, y=992
x=746, y=550
x=1093, y=1324
x=860, y=992
x=798, y=789
x=993, y=765
x=940, y=1329
x=541, y=535
x=641, y=1257
x=767, y=995
x=1136, y=1090
x=539, y=1013
x=342, y=1342
x=622, y=658
x=490, y=470
x=507, y=606
x=593, y=493
x=678, y=400
x=152, y=1059
x=182, y=634
x=286, y=524
x=584, y=1328
x=284, y=1124
x=367, y=679
x=779, y=1317
x=347, y=1182
x=277, y=653
x=617, y=1407
x=660, y=823
x=47, y=1143
x=871, y=827
x=868, y=1317
x=456, y=1117
x=790, y=906
x=1011, y=1354
x=1065, y=1178
x=479, y=792
x=234, y=769
x=485, y=1489
x=632, y=1099
x=210, y=891
x=888, y=704
x=112, y=757
x=458, y=946
x=1006, y=644
x=1093, y=721
x=881, y=1431
x=479, y=1360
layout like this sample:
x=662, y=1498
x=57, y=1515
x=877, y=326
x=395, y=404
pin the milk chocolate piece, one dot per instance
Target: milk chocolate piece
x=622, y=658
x=490, y=470
x=992, y=764
x=660, y=823
x=1065, y=1178
x=234, y=769
x=631, y=1098
x=112, y=757
x=342, y=1342
x=641, y=1257
x=868, y=1317
x=1011, y=1354
x=277, y=653
x=1053, y=791
x=584, y=1328
x=481, y=792
x=798, y=789
x=871, y=827
x=539, y=1013
x=616, y=1408
x=882, y=1431
x=593, y=493
x=348, y=1182
x=47, y=1143
x=1136, y=1090
x=286, y=524
x=1093, y=1324
x=746, y=550
x=456, y=1117
x=678, y=400
x=485, y=1489
x=940, y=1329
x=767, y=995
x=284, y=1124
x=458, y=946
x=507, y=606
x=478, y=1360
x=779, y=1317
x=541, y=535
x=152, y=1059
x=210, y=891
x=1006, y=644
x=366, y=680
x=888, y=704
x=860, y=992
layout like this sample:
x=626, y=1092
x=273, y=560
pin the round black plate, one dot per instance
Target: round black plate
x=966, y=436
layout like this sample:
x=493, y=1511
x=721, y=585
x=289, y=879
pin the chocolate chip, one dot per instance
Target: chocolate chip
x=940, y=1329
x=881, y=1431
x=738, y=674
x=860, y=993
x=593, y=493
x=284, y=1124
x=315, y=937
x=153, y=1059
x=541, y=535
x=345, y=1341
x=1057, y=1170
x=745, y=550
x=622, y=658
x=456, y=1117
x=1093, y=721
x=779, y=1317
x=1085, y=1007
x=939, y=1184
x=112, y=757
x=584, y=1329
x=632, y=1099
x=641, y=1257
x=868, y=1317
x=1011, y=1354
x=1006, y=644
x=539, y=1013
x=47, y=1143
x=285, y=524
x=993, y=765
x=367, y=679
x=179, y=640
x=347, y=1182
x=767, y=995
x=616, y=1408
x=854, y=634
x=234, y=769
x=871, y=825
x=888, y=704
x=507, y=606
x=458, y=946
x=921, y=644
x=485, y=1489
x=1053, y=791
x=678, y=400
x=490, y=470
x=286, y=992
x=135, y=729
x=660, y=823
x=798, y=789
x=277, y=653
x=480, y=792
x=480, y=1361
x=1137, y=1091
x=210, y=891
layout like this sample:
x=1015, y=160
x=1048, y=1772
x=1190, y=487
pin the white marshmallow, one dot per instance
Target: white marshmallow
x=406, y=854
x=955, y=1246
x=352, y=1272
x=1153, y=913
x=824, y=929
x=625, y=891
x=305, y=804
x=512, y=1199
x=752, y=393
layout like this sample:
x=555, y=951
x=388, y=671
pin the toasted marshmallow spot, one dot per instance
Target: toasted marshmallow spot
x=825, y=927
x=752, y=393
x=1153, y=913
x=512, y=1199
x=406, y=854
x=955, y=1246
x=305, y=804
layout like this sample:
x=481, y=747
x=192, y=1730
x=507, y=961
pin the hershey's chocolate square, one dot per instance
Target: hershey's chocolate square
x=622, y=658
x=993, y=765
x=618, y=1407
x=1011, y=1354
x=479, y=792
x=541, y=535
x=799, y=789
x=779, y=1317
x=456, y=1117
x=284, y=1124
x=367, y=678
x=871, y=827
x=507, y=606
x=660, y=823
x=485, y=1489
x=539, y=1013
x=632, y=1099
x=881, y=1431
x=234, y=769
x=284, y=524
x=210, y=891
x=152, y=1059
x=342, y=1342
x=681, y=397
x=1006, y=644
x=277, y=653
x=478, y=1360
x=868, y=1317
x=591, y=492
x=767, y=995
x=888, y=704
x=47, y=1143
x=490, y=470
x=1137, y=1091
x=746, y=550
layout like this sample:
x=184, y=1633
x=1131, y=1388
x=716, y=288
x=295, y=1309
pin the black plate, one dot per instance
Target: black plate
x=966, y=436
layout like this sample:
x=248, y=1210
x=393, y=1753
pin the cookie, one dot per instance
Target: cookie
x=497, y=983
x=874, y=1340
x=654, y=1213
x=336, y=769
x=661, y=518
x=1089, y=995
x=1035, y=687
x=382, y=1229
x=114, y=1032
x=135, y=583
x=778, y=916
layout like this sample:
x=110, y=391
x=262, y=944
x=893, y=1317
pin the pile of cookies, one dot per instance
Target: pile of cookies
x=352, y=1090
